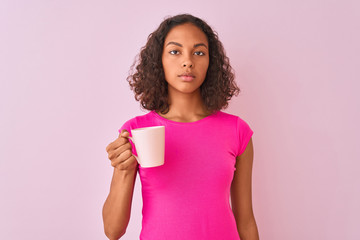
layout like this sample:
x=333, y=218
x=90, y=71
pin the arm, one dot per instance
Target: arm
x=241, y=200
x=117, y=207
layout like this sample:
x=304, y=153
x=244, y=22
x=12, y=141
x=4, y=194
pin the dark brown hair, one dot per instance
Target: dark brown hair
x=147, y=79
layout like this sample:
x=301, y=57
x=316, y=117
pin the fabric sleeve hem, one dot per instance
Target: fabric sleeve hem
x=246, y=140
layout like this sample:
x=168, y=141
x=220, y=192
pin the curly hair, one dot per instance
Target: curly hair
x=147, y=79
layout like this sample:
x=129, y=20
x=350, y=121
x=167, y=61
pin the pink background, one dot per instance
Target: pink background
x=64, y=95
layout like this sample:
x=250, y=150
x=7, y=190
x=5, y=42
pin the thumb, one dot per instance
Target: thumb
x=124, y=133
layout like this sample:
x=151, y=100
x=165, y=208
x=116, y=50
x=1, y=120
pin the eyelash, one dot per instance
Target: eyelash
x=203, y=54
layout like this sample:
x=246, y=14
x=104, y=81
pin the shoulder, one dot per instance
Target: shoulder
x=142, y=118
x=138, y=121
x=233, y=121
x=223, y=116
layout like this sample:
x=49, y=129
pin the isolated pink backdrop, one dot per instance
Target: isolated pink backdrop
x=63, y=93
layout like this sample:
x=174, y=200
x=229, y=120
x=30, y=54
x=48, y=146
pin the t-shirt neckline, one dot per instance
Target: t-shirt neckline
x=184, y=123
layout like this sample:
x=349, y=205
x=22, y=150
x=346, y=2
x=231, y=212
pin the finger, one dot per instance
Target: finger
x=128, y=163
x=115, y=153
x=124, y=147
x=124, y=133
x=121, y=158
x=116, y=144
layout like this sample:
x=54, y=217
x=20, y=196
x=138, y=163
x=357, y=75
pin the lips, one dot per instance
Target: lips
x=187, y=76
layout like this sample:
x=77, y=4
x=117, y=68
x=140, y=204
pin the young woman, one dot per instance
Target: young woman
x=184, y=79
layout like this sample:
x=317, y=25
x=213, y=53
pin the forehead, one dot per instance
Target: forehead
x=186, y=32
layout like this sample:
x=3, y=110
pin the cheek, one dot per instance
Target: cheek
x=166, y=65
x=204, y=66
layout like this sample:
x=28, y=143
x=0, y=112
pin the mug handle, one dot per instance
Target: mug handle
x=130, y=138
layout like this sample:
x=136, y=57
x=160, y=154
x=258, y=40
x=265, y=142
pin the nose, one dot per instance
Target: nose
x=188, y=63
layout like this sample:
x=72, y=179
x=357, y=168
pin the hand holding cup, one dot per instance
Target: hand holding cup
x=120, y=153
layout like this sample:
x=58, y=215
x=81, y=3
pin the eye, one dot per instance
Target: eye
x=199, y=53
x=174, y=52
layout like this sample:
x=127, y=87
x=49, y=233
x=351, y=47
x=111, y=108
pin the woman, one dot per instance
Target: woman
x=184, y=78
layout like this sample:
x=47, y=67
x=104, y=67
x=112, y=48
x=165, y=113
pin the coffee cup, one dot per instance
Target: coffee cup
x=150, y=145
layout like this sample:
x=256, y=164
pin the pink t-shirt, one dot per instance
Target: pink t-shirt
x=189, y=196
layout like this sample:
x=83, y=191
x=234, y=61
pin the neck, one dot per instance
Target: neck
x=186, y=106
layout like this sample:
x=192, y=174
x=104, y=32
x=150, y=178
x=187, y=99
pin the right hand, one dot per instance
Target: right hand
x=120, y=154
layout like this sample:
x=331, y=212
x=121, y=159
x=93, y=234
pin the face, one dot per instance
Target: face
x=185, y=58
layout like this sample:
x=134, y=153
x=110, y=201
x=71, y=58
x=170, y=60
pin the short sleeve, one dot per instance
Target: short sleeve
x=127, y=127
x=244, y=134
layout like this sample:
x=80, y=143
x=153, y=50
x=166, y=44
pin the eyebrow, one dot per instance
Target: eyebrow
x=178, y=44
